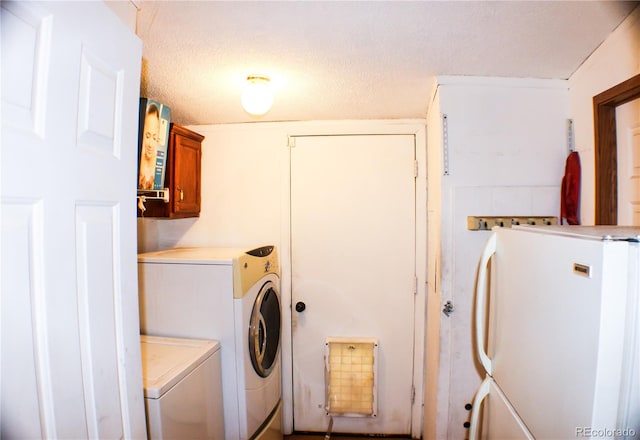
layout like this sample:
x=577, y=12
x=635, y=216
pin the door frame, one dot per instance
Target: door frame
x=417, y=128
x=606, y=146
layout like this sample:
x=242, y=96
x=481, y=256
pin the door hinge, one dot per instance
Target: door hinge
x=415, y=168
x=413, y=394
x=415, y=285
x=571, y=146
x=445, y=145
x=291, y=141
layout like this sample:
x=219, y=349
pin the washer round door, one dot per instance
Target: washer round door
x=264, y=330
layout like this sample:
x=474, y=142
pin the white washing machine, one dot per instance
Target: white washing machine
x=182, y=388
x=232, y=295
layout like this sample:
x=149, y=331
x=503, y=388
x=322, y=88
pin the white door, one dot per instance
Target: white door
x=353, y=267
x=628, y=137
x=70, y=333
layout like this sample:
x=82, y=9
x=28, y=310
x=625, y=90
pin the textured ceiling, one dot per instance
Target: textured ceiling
x=354, y=59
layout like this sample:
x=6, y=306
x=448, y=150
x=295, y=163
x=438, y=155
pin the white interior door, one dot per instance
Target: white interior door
x=353, y=267
x=70, y=345
x=628, y=137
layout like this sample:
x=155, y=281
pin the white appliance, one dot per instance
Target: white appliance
x=182, y=388
x=563, y=351
x=231, y=295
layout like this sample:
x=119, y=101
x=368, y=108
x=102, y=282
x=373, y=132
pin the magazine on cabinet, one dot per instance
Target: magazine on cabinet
x=153, y=142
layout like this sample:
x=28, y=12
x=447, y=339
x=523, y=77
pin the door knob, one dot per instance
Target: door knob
x=300, y=306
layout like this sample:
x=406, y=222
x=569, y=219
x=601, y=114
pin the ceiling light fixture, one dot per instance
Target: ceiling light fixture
x=257, y=98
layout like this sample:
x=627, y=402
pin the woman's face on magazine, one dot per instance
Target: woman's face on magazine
x=151, y=131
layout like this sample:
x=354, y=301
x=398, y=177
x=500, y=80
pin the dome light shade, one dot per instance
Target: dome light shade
x=257, y=98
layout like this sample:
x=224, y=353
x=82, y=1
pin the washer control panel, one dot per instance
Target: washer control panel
x=249, y=267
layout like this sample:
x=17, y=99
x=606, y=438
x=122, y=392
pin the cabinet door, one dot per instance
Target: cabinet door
x=186, y=192
x=182, y=177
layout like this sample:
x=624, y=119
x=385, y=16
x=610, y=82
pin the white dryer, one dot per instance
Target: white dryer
x=232, y=295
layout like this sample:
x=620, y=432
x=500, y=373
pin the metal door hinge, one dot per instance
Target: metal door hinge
x=445, y=145
x=448, y=308
x=415, y=168
x=415, y=285
x=570, y=136
x=413, y=394
x=291, y=141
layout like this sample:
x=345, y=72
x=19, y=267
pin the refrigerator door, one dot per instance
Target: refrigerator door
x=493, y=416
x=556, y=330
x=630, y=398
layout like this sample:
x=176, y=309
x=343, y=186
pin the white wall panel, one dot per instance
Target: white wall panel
x=506, y=149
x=435, y=365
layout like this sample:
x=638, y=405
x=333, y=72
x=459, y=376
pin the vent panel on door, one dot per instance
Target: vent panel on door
x=351, y=377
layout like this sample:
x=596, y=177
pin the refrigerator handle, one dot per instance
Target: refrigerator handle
x=487, y=387
x=481, y=393
x=480, y=302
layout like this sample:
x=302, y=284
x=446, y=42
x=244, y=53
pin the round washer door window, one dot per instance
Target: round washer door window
x=264, y=330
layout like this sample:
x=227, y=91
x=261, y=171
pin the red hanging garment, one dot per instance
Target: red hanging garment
x=570, y=191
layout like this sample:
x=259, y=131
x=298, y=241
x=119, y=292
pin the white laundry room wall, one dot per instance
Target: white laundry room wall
x=615, y=61
x=506, y=153
x=245, y=202
x=244, y=179
x=502, y=153
x=241, y=182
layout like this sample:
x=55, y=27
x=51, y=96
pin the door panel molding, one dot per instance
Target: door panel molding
x=98, y=294
x=24, y=342
x=100, y=120
x=25, y=78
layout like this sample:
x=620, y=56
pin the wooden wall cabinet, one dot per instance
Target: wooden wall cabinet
x=182, y=177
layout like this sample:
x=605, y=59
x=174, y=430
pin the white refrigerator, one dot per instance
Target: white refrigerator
x=556, y=334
